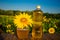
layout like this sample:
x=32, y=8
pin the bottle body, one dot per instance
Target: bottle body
x=37, y=24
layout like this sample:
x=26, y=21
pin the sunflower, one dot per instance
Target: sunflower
x=23, y=20
x=51, y=30
x=44, y=18
x=8, y=31
x=8, y=26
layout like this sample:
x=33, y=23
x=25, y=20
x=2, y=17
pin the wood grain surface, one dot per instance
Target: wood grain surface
x=46, y=36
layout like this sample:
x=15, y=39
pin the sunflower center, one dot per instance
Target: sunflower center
x=23, y=20
x=51, y=30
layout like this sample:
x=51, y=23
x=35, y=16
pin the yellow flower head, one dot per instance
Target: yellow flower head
x=44, y=18
x=8, y=31
x=51, y=30
x=12, y=32
x=8, y=26
x=23, y=20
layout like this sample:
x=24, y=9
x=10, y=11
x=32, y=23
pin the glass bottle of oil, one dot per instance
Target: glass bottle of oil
x=37, y=23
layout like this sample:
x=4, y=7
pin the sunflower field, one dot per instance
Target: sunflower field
x=50, y=25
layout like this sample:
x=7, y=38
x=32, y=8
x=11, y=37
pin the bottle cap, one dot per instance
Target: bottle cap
x=38, y=7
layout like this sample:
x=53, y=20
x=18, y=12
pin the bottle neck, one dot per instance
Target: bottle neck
x=38, y=9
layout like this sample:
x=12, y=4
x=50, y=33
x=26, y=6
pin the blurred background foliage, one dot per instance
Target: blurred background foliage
x=7, y=16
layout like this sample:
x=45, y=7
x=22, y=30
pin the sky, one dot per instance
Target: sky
x=51, y=6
